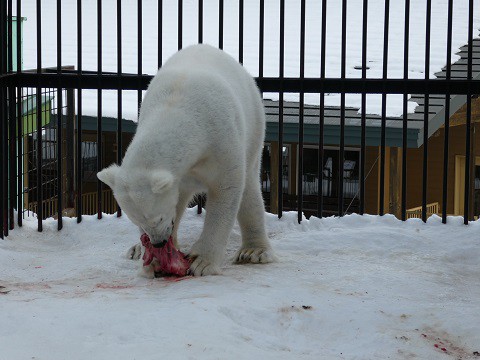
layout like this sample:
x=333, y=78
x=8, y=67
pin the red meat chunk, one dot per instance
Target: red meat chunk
x=172, y=261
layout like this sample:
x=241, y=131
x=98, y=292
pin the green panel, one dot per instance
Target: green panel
x=30, y=119
x=14, y=42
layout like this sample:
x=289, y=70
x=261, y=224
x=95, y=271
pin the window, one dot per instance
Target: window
x=89, y=160
x=351, y=170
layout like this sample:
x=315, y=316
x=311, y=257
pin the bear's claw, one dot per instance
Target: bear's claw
x=202, y=267
x=254, y=256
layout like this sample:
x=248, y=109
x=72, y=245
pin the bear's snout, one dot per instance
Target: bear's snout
x=159, y=239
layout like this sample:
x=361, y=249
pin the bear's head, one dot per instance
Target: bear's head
x=149, y=199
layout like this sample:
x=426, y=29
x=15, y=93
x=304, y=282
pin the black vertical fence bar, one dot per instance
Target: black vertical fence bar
x=12, y=164
x=446, y=139
x=469, y=156
x=3, y=123
x=341, y=155
x=59, y=134
x=39, y=144
x=79, y=165
x=119, y=92
x=160, y=33
x=425, y=111
x=19, y=119
x=200, y=21
x=406, y=52
x=384, y=109
x=240, y=31
x=261, y=39
x=200, y=41
x=280, y=110
x=99, y=109
x=31, y=148
x=69, y=121
x=323, y=48
x=301, y=112
x=20, y=140
x=11, y=123
x=139, y=52
x=220, y=24
x=3, y=151
x=364, y=108
x=180, y=24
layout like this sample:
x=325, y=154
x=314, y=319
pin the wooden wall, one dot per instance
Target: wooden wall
x=415, y=172
x=435, y=167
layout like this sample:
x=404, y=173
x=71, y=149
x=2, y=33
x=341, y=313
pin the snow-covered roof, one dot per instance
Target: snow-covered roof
x=332, y=115
x=251, y=41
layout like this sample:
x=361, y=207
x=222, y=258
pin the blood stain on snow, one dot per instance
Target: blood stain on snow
x=446, y=343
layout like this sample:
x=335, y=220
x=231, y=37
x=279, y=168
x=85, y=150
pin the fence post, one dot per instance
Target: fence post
x=274, y=181
x=3, y=123
x=69, y=141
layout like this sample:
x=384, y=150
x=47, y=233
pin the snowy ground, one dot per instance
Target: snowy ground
x=344, y=288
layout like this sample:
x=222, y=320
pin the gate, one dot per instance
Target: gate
x=41, y=159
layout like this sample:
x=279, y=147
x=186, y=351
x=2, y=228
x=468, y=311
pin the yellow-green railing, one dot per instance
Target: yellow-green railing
x=416, y=212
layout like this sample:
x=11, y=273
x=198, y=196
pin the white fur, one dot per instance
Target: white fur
x=201, y=129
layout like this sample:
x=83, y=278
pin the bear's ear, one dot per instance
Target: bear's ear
x=161, y=180
x=108, y=175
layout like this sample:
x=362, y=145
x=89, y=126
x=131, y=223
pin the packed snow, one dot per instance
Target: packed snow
x=251, y=41
x=357, y=287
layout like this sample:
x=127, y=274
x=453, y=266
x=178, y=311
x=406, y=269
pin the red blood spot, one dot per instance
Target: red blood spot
x=436, y=345
x=38, y=267
x=443, y=349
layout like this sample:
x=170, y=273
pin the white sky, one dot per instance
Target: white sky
x=271, y=62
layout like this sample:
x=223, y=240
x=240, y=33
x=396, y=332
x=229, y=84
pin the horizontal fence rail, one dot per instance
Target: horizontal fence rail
x=85, y=80
x=324, y=153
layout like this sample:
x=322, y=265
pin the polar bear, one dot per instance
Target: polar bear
x=201, y=129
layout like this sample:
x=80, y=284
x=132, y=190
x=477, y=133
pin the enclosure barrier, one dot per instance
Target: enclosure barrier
x=416, y=212
x=13, y=81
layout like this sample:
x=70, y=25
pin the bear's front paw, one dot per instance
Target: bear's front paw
x=201, y=267
x=135, y=252
x=254, y=255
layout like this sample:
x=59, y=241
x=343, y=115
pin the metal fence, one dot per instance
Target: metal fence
x=14, y=82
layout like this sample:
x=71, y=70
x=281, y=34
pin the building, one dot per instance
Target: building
x=456, y=169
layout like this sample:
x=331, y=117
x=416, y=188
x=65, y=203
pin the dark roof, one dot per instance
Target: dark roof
x=332, y=127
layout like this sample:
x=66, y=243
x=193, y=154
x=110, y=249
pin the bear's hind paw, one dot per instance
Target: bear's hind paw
x=254, y=256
